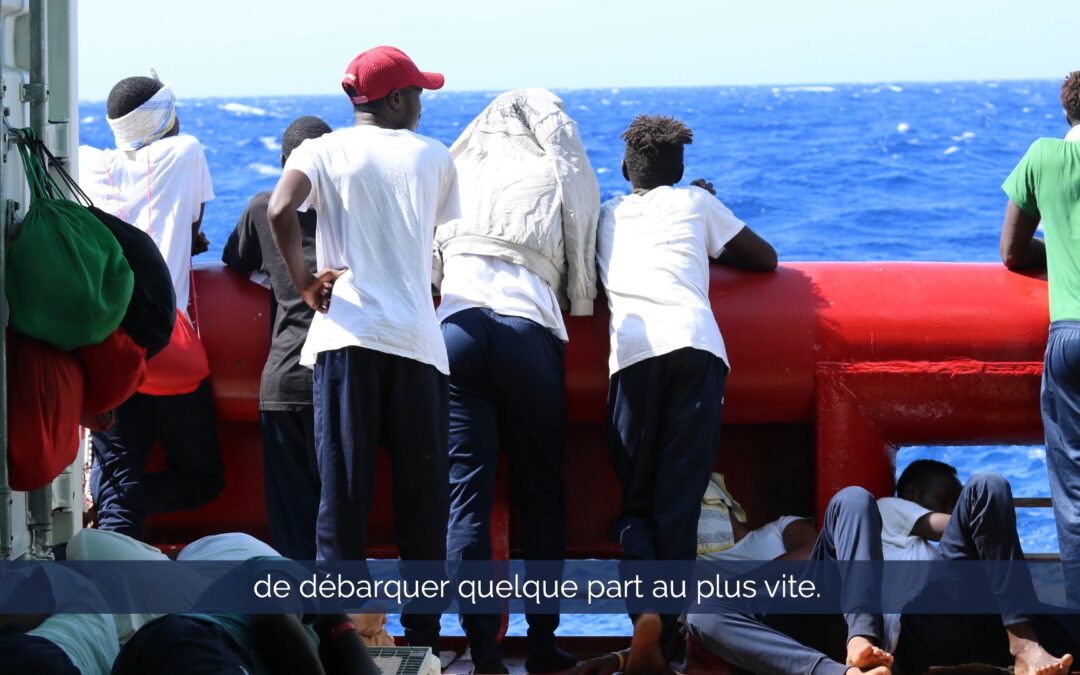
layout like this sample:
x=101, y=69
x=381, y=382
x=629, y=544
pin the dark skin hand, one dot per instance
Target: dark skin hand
x=199, y=242
x=746, y=250
x=1020, y=248
x=400, y=109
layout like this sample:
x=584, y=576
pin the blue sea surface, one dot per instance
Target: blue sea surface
x=903, y=171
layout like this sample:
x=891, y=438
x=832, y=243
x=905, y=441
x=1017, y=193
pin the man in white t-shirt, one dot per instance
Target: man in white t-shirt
x=524, y=248
x=380, y=189
x=971, y=522
x=668, y=363
x=158, y=181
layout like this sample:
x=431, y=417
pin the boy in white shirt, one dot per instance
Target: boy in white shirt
x=380, y=363
x=158, y=181
x=668, y=363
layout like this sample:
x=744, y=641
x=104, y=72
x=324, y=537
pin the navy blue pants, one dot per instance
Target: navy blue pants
x=506, y=388
x=185, y=425
x=364, y=398
x=663, y=432
x=291, y=474
x=22, y=653
x=792, y=643
x=1061, y=423
x=982, y=527
x=182, y=645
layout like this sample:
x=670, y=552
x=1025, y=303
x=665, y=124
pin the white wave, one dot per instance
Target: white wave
x=1025, y=109
x=270, y=143
x=903, y=128
x=966, y=136
x=951, y=149
x=816, y=89
x=605, y=101
x=241, y=109
x=603, y=169
x=265, y=169
x=89, y=119
x=893, y=88
x=614, y=91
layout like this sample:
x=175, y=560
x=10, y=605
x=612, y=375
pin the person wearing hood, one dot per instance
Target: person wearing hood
x=522, y=252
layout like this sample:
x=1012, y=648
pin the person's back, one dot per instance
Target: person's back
x=378, y=191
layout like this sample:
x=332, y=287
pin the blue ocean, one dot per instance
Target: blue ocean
x=899, y=171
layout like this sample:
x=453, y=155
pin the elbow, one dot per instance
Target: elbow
x=1012, y=260
x=767, y=261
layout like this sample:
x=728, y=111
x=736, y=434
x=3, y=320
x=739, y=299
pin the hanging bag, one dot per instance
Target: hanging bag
x=68, y=283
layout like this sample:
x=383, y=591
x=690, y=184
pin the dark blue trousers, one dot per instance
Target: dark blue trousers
x=1061, y=423
x=185, y=425
x=982, y=527
x=506, y=389
x=182, y=645
x=792, y=643
x=291, y=475
x=364, y=398
x=663, y=432
x=22, y=653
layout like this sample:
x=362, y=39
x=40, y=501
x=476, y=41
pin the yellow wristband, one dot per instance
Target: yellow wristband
x=622, y=661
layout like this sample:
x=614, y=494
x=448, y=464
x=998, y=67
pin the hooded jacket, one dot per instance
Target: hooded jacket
x=528, y=195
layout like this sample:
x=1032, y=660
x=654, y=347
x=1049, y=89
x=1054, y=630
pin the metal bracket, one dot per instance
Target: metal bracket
x=34, y=92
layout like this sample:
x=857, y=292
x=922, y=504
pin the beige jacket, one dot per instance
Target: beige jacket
x=528, y=195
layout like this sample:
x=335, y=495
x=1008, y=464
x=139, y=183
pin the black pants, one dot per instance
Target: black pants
x=794, y=643
x=182, y=645
x=184, y=424
x=663, y=431
x=364, y=398
x=22, y=653
x=291, y=473
x=506, y=388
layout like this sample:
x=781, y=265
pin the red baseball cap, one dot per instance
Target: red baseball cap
x=377, y=72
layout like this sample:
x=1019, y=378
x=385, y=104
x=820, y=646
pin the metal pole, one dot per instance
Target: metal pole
x=37, y=94
x=5, y=226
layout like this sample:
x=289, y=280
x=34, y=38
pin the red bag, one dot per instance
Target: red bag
x=114, y=370
x=45, y=396
x=181, y=366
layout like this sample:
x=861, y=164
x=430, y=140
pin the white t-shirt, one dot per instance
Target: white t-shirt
x=898, y=518
x=763, y=544
x=503, y=287
x=88, y=639
x=653, y=251
x=228, y=546
x=379, y=194
x=160, y=190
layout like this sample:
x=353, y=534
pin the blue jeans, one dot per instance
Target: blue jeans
x=1061, y=423
x=185, y=425
x=506, y=389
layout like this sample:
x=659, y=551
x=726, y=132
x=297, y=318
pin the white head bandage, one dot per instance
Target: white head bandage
x=147, y=123
x=715, y=533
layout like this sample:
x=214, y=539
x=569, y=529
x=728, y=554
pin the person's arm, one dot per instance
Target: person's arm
x=341, y=646
x=931, y=526
x=284, y=644
x=199, y=242
x=799, y=539
x=289, y=194
x=1020, y=248
x=580, y=207
x=745, y=250
x=242, y=251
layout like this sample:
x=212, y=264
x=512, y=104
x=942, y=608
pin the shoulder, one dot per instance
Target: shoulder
x=183, y=148
x=895, y=505
x=258, y=203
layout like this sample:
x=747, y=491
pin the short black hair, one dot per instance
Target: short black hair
x=654, y=150
x=301, y=129
x=919, y=472
x=1070, y=95
x=130, y=93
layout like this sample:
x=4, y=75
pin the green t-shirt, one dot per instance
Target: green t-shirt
x=1046, y=184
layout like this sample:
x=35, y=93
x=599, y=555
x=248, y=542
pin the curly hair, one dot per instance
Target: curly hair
x=130, y=93
x=919, y=473
x=1070, y=95
x=301, y=129
x=654, y=150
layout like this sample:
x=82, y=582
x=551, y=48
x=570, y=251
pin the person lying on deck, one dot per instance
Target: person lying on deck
x=971, y=522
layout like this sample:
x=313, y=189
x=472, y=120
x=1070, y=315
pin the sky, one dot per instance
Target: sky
x=238, y=48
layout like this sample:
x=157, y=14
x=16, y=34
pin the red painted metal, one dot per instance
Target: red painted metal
x=834, y=366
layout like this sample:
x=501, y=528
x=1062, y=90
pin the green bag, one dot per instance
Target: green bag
x=68, y=282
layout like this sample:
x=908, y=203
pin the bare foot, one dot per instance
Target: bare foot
x=864, y=655
x=646, y=657
x=1032, y=659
